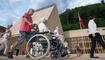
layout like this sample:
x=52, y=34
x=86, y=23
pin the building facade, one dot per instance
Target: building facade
x=81, y=39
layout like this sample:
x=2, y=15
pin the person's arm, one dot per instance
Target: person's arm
x=54, y=32
x=46, y=28
x=25, y=19
x=8, y=35
x=35, y=29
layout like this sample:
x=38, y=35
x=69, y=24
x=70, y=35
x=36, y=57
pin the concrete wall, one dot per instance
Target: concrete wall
x=77, y=33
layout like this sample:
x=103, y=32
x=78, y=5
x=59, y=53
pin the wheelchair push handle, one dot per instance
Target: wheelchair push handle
x=43, y=32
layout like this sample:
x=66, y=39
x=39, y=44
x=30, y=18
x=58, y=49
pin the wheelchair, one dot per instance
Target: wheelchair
x=45, y=43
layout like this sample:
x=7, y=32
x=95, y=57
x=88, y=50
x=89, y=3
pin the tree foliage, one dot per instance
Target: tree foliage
x=70, y=20
x=102, y=1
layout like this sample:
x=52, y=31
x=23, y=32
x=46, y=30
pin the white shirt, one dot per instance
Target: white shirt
x=92, y=27
x=4, y=37
x=42, y=27
x=56, y=31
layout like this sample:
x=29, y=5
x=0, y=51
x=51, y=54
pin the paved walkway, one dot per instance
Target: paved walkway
x=73, y=57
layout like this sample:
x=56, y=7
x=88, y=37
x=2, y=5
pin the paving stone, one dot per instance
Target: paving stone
x=72, y=57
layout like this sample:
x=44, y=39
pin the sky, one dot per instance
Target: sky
x=12, y=10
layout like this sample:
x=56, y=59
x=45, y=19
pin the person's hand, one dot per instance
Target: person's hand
x=93, y=35
x=8, y=38
x=103, y=29
x=31, y=24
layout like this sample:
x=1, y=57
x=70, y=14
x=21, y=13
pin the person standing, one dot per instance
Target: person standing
x=5, y=41
x=25, y=29
x=56, y=31
x=95, y=36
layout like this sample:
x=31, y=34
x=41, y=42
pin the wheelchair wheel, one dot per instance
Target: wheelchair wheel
x=40, y=46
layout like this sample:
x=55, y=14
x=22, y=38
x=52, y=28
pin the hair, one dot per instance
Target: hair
x=31, y=9
x=57, y=27
x=91, y=17
x=43, y=19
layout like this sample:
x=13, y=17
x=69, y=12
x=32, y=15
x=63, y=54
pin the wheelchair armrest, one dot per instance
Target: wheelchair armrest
x=51, y=33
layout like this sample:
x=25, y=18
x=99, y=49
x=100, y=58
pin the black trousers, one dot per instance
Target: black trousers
x=97, y=38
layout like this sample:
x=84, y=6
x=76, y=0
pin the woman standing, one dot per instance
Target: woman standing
x=95, y=36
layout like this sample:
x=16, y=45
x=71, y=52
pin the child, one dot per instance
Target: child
x=66, y=48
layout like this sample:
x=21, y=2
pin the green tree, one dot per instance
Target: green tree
x=102, y=1
x=70, y=21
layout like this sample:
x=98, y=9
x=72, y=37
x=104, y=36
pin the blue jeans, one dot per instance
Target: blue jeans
x=23, y=35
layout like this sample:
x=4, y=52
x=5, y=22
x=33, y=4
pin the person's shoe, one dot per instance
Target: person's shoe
x=27, y=56
x=4, y=55
x=33, y=56
x=48, y=56
x=93, y=57
x=10, y=55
